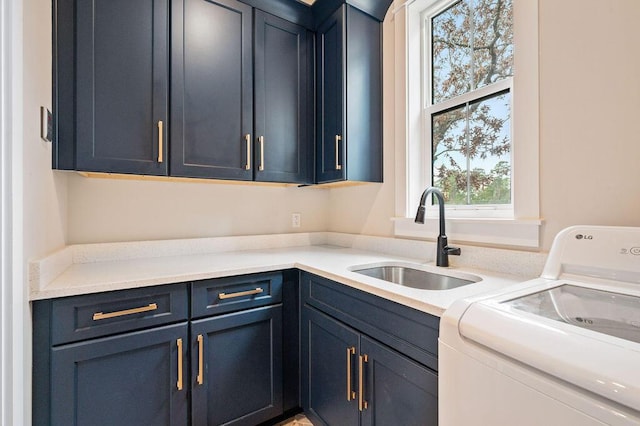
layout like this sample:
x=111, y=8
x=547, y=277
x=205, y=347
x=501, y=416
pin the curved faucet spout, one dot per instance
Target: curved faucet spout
x=443, y=250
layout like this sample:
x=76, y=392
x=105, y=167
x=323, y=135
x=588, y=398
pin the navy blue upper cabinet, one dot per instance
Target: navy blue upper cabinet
x=349, y=98
x=166, y=87
x=111, y=85
x=211, y=89
x=283, y=100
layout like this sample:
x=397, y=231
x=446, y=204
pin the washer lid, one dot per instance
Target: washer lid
x=602, y=311
x=528, y=330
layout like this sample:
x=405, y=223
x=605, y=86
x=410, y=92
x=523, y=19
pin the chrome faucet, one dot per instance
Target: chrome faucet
x=443, y=250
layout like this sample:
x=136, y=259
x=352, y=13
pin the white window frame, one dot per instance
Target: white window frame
x=516, y=225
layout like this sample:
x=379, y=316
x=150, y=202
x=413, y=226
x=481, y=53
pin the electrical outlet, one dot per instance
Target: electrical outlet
x=295, y=220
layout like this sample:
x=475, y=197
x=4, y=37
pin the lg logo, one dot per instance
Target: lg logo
x=584, y=237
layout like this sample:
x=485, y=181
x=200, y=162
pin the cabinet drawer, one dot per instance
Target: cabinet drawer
x=85, y=317
x=404, y=329
x=220, y=295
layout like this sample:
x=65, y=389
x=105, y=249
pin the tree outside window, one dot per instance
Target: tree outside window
x=469, y=102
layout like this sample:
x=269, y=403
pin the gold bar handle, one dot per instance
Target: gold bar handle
x=200, y=359
x=160, y=141
x=261, y=168
x=258, y=290
x=362, y=404
x=351, y=395
x=100, y=315
x=247, y=138
x=179, y=384
x=338, y=165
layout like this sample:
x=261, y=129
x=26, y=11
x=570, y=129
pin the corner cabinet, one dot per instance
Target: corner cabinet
x=209, y=352
x=356, y=363
x=349, y=97
x=284, y=124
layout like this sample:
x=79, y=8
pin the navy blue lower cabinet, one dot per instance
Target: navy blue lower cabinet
x=236, y=367
x=350, y=379
x=365, y=360
x=397, y=390
x=132, y=379
x=329, y=356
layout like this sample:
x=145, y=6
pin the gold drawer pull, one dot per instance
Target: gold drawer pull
x=350, y=392
x=200, y=359
x=247, y=139
x=338, y=165
x=258, y=290
x=261, y=139
x=362, y=404
x=160, y=142
x=179, y=384
x=100, y=316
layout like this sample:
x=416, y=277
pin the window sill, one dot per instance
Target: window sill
x=503, y=232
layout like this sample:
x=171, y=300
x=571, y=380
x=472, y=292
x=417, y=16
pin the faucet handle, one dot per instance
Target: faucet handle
x=452, y=250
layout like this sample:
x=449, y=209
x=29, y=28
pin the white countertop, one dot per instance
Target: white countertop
x=332, y=262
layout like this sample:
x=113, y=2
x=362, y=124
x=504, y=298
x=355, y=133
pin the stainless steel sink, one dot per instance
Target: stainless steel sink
x=416, y=278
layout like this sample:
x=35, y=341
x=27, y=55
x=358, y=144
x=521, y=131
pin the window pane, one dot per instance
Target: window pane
x=450, y=154
x=472, y=47
x=451, y=50
x=490, y=150
x=492, y=41
x=472, y=151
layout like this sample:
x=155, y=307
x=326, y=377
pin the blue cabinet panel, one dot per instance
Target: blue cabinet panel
x=387, y=386
x=211, y=89
x=349, y=97
x=228, y=294
x=238, y=357
x=111, y=85
x=283, y=100
x=404, y=329
x=329, y=354
x=364, y=97
x=125, y=380
x=330, y=141
x=398, y=390
x=95, y=315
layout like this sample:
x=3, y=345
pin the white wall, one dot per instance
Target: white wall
x=106, y=210
x=589, y=110
x=39, y=198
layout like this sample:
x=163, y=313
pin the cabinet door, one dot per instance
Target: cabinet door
x=122, y=73
x=329, y=354
x=283, y=100
x=212, y=89
x=125, y=380
x=331, y=140
x=237, y=367
x=398, y=391
x=364, y=97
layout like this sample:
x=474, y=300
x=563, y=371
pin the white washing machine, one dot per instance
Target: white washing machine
x=563, y=349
